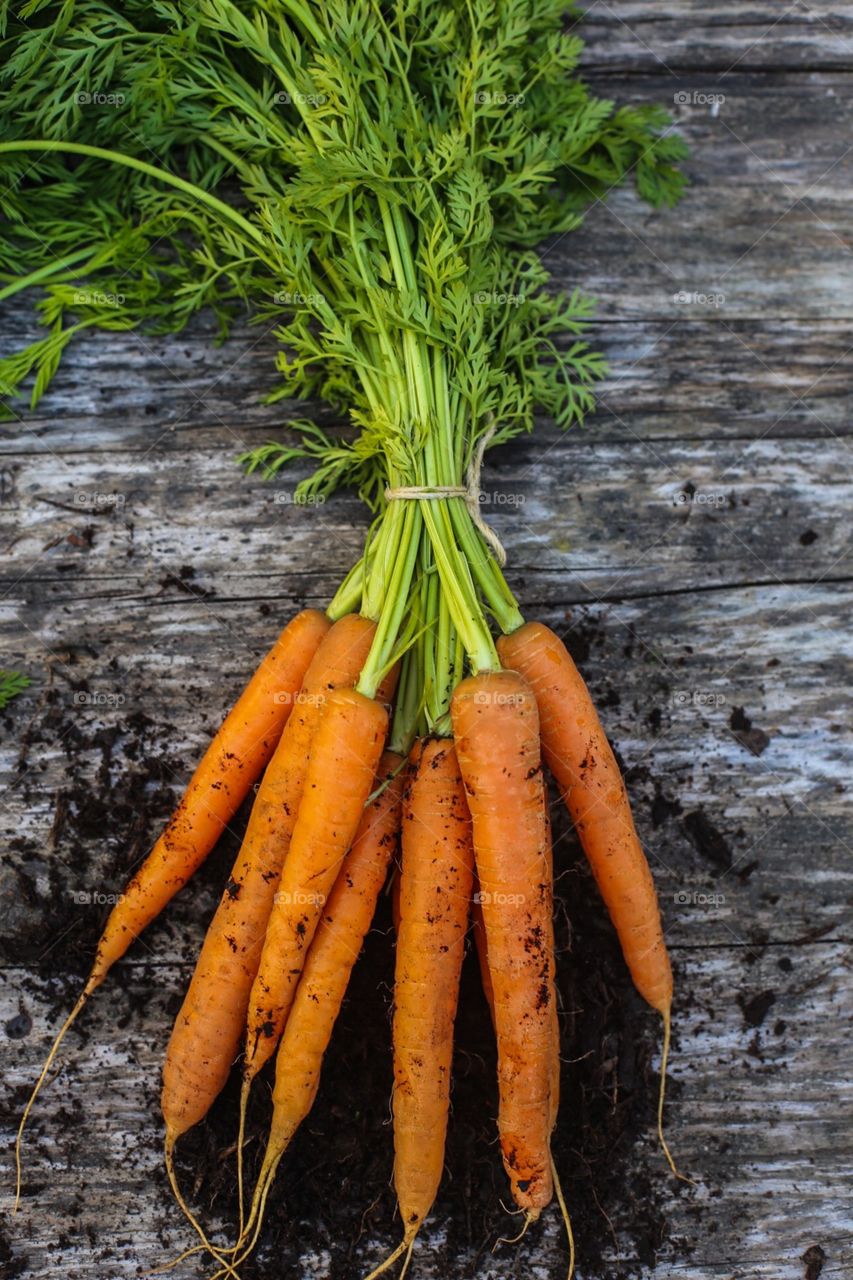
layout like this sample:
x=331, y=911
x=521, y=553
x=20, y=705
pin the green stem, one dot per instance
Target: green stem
x=486, y=570
x=119, y=157
x=395, y=605
x=407, y=707
x=348, y=597
x=43, y=273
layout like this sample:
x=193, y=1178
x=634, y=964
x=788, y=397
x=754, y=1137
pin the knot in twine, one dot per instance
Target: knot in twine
x=470, y=492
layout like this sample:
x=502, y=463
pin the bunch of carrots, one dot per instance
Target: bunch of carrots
x=339, y=794
x=388, y=199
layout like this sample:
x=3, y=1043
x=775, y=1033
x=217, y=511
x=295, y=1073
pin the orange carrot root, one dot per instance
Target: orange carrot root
x=345, y=753
x=496, y=729
x=435, y=895
x=206, y=1036
x=229, y=767
x=346, y=918
x=581, y=759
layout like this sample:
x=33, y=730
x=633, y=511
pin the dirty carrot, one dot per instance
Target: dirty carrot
x=496, y=730
x=435, y=899
x=344, y=754
x=342, y=929
x=581, y=760
x=242, y=746
x=207, y=1031
x=478, y=930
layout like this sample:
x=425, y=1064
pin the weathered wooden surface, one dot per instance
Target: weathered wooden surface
x=694, y=545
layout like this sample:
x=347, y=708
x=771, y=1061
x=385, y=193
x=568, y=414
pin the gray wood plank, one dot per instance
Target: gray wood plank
x=603, y=518
x=719, y=36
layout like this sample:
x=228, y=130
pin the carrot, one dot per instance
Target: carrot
x=496, y=730
x=344, y=755
x=478, y=929
x=207, y=1030
x=231, y=764
x=342, y=929
x=579, y=756
x=581, y=759
x=435, y=898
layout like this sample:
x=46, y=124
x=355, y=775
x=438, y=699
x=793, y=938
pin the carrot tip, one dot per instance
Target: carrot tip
x=169, y=1152
x=90, y=986
x=406, y=1246
x=667, y=1029
x=566, y=1218
x=530, y=1216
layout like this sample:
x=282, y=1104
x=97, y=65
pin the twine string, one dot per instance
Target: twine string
x=470, y=492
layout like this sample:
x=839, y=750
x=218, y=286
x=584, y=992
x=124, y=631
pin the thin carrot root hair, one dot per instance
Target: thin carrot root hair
x=664, y=1059
x=561, y=1201
x=241, y=1138
x=48, y=1063
x=251, y=1229
x=217, y=1254
x=170, y=1266
x=405, y=1246
x=529, y=1218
